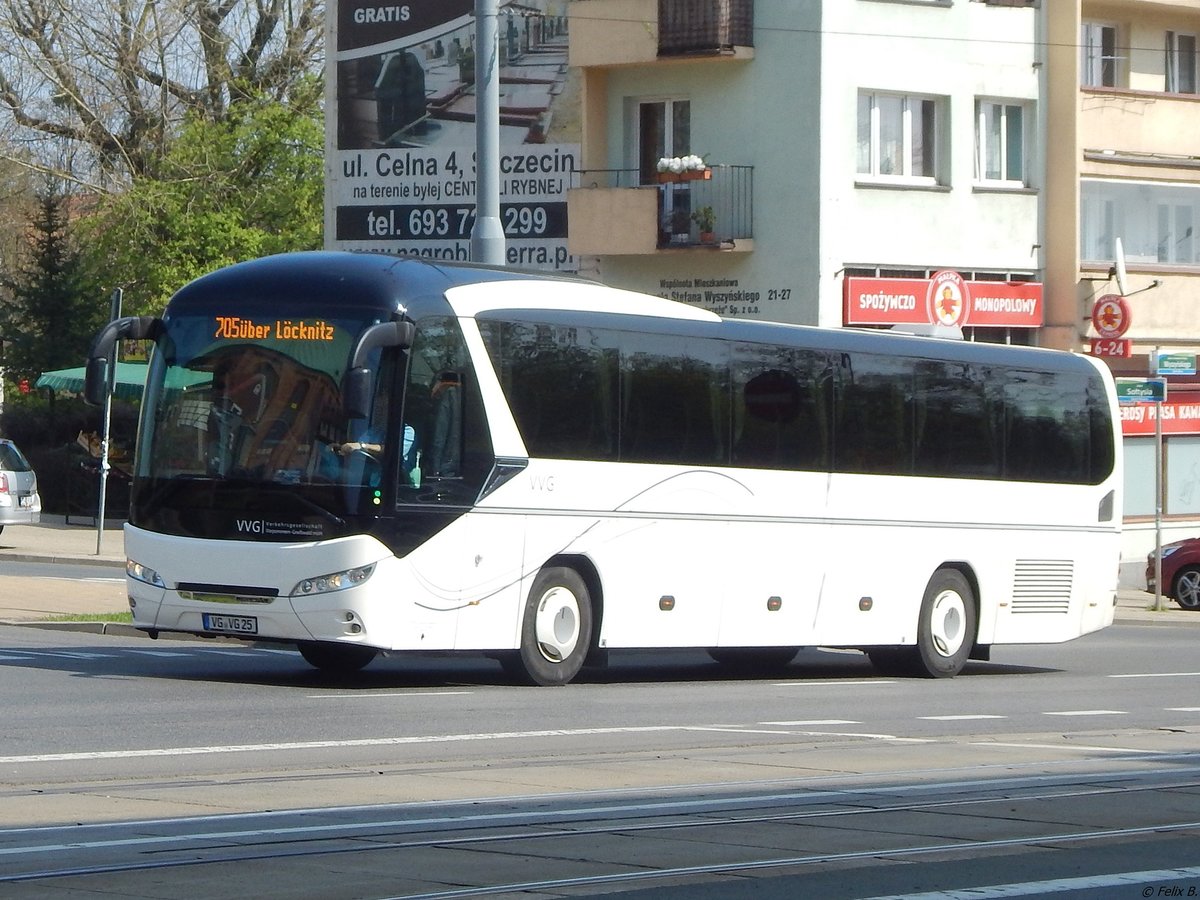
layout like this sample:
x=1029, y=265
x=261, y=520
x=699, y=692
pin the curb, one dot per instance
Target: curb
x=51, y=559
x=120, y=629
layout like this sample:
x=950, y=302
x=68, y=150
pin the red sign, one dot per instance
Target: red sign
x=1178, y=417
x=1110, y=316
x=1110, y=347
x=945, y=299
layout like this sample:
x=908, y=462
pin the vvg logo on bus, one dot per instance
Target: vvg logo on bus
x=276, y=529
x=947, y=299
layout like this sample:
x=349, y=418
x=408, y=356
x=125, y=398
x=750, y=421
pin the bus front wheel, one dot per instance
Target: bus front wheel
x=946, y=628
x=337, y=659
x=557, y=628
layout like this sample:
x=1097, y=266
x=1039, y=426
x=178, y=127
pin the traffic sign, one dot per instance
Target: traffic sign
x=1141, y=390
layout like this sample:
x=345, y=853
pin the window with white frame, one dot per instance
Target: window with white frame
x=1156, y=221
x=898, y=137
x=1000, y=142
x=1098, y=45
x=1181, y=63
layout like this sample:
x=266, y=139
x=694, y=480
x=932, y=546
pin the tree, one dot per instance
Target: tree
x=247, y=186
x=96, y=89
x=54, y=305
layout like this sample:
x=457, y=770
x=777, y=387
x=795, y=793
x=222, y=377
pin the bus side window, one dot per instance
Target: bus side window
x=444, y=456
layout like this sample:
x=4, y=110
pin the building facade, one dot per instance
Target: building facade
x=1123, y=195
x=854, y=150
x=911, y=163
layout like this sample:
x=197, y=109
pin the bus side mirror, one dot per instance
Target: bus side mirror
x=95, y=380
x=356, y=384
x=104, y=348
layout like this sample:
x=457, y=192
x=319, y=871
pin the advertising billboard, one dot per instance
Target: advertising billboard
x=400, y=129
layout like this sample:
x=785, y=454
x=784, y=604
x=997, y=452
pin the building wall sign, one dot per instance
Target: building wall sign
x=1178, y=417
x=401, y=133
x=944, y=299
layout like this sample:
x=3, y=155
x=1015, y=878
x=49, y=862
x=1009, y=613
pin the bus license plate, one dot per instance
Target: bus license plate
x=231, y=624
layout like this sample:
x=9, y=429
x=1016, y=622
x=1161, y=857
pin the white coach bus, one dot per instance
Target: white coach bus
x=355, y=453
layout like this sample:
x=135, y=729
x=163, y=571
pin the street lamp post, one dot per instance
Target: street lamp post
x=487, y=234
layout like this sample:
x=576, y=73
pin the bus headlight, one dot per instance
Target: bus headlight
x=145, y=574
x=336, y=581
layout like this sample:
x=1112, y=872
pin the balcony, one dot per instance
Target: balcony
x=1138, y=127
x=629, y=32
x=618, y=212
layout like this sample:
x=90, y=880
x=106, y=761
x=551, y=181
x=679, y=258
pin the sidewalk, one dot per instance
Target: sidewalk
x=54, y=541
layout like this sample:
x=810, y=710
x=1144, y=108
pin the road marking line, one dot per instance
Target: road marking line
x=1140, y=750
x=331, y=745
x=1057, y=885
x=871, y=681
x=1087, y=712
x=1183, y=709
x=964, y=718
x=377, y=695
x=1157, y=675
x=815, y=722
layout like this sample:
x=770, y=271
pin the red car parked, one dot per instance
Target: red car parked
x=1180, y=572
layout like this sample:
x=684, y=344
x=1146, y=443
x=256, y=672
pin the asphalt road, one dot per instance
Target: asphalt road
x=175, y=763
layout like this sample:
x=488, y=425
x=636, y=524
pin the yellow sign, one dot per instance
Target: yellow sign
x=237, y=328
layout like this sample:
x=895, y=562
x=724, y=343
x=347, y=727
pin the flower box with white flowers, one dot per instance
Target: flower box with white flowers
x=682, y=168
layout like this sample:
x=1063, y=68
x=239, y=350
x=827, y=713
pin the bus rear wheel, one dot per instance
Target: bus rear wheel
x=946, y=628
x=556, y=631
x=337, y=659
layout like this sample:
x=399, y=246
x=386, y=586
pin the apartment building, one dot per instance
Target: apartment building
x=866, y=162
x=1123, y=167
x=986, y=164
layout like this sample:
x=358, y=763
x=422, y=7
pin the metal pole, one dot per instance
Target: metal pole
x=1158, y=496
x=106, y=425
x=487, y=234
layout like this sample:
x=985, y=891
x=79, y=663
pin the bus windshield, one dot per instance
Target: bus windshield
x=253, y=402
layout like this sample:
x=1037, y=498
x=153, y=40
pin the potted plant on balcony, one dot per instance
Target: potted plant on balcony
x=706, y=221
x=682, y=168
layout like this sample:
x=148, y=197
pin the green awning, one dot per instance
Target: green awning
x=131, y=378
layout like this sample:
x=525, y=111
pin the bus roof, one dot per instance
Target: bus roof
x=384, y=285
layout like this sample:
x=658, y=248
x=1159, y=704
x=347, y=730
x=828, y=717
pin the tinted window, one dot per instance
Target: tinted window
x=562, y=386
x=1049, y=428
x=451, y=444
x=780, y=408
x=873, y=415
x=674, y=400
x=956, y=425
x=11, y=459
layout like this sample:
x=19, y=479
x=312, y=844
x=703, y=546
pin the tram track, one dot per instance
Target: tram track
x=624, y=841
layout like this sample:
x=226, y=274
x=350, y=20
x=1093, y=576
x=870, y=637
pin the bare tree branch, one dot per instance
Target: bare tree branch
x=107, y=82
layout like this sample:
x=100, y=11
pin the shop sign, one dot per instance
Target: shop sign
x=944, y=299
x=1110, y=316
x=1178, y=417
x=1120, y=348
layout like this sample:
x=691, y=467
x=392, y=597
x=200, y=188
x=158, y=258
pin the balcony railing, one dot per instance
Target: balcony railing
x=704, y=26
x=623, y=211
